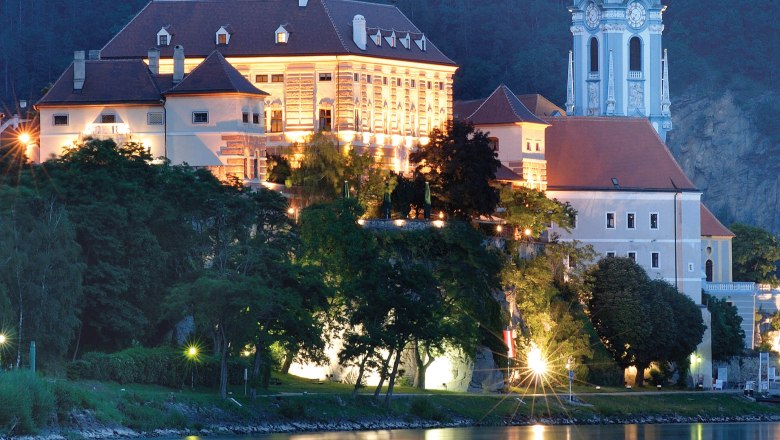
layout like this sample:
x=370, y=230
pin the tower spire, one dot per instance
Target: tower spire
x=665, y=101
x=611, y=87
x=570, y=86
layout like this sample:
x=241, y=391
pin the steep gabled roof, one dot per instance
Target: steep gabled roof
x=586, y=153
x=214, y=75
x=323, y=27
x=502, y=107
x=107, y=82
x=504, y=173
x=711, y=226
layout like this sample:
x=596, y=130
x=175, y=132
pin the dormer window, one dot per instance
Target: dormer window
x=377, y=38
x=163, y=37
x=422, y=43
x=282, y=35
x=406, y=41
x=223, y=36
x=391, y=40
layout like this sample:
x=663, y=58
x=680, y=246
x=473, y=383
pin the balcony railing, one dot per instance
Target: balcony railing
x=741, y=287
x=634, y=74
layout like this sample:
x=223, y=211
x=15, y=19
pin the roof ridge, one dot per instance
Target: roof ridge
x=333, y=25
x=509, y=95
x=127, y=24
x=483, y=102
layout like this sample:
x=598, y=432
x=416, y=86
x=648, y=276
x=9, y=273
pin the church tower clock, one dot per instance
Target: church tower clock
x=617, y=66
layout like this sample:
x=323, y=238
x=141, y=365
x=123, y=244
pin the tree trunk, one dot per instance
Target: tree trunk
x=639, y=380
x=361, y=370
x=78, y=341
x=288, y=360
x=223, y=367
x=390, y=386
x=422, y=365
x=383, y=374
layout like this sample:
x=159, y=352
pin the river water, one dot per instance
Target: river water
x=688, y=431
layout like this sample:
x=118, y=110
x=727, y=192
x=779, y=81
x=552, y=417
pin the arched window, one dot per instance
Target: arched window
x=635, y=54
x=594, y=55
x=708, y=270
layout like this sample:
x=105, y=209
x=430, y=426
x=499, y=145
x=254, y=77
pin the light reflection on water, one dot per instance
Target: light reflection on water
x=694, y=431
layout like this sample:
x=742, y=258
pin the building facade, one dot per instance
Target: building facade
x=360, y=71
x=617, y=66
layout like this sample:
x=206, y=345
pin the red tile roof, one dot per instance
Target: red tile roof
x=502, y=107
x=541, y=106
x=323, y=27
x=711, y=226
x=586, y=153
x=214, y=75
x=107, y=82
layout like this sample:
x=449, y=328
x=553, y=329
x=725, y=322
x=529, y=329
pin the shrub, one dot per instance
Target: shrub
x=425, y=410
x=292, y=409
x=25, y=402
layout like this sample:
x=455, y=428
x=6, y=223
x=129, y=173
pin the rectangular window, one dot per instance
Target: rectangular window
x=276, y=121
x=154, y=118
x=610, y=220
x=632, y=256
x=60, y=119
x=527, y=146
x=108, y=119
x=384, y=80
x=429, y=85
x=261, y=78
x=441, y=85
x=574, y=221
x=200, y=117
x=654, y=220
x=278, y=78
x=631, y=220
x=610, y=254
x=325, y=119
x=163, y=40
x=654, y=260
x=413, y=84
x=222, y=39
x=368, y=79
x=326, y=77
x=356, y=77
x=245, y=117
x=398, y=82
x=256, y=118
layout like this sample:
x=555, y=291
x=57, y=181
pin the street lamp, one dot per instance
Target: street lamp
x=192, y=353
x=695, y=359
x=3, y=340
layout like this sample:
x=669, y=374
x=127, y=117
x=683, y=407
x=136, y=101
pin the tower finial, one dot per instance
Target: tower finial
x=665, y=101
x=570, y=86
x=611, y=87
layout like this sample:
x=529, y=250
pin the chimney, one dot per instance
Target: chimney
x=79, y=70
x=94, y=55
x=178, y=64
x=154, y=61
x=303, y=3
x=359, y=31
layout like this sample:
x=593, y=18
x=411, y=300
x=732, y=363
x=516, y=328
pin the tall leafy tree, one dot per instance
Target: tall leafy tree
x=728, y=338
x=756, y=253
x=460, y=165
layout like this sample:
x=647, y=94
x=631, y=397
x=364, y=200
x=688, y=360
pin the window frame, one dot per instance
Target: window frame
x=325, y=114
x=277, y=78
x=631, y=255
x=279, y=122
x=613, y=218
x=245, y=117
x=261, y=78
x=631, y=220
x=199, y=113
x=610, y=254
x=325, y=76
x=60, y=115
x=656, y=220
x=149, y=118
x=108, y=118
x=655, y=260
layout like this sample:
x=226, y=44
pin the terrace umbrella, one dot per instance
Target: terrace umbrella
x=427, y=205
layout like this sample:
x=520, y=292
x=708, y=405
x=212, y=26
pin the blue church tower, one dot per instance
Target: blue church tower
x=617, y=66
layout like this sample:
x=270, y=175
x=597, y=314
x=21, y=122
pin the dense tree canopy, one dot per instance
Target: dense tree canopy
x=728, y=338
x=755, y=253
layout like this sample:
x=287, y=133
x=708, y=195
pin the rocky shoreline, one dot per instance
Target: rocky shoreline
x=105, y=432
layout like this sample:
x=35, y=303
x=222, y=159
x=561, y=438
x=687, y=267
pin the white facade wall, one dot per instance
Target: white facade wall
x=718, y=251
x=200, y=144
x=591, y=228
x=85, y=120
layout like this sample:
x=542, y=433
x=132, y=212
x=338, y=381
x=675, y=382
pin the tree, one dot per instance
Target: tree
x=525, y=208
x=639, y=320
x=728, y=338
x=755, y=252
x=460, y=165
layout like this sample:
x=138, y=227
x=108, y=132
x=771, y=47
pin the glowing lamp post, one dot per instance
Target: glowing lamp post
x=536, y=362
x=192, y=353
x=3, y=339
x=570, y=371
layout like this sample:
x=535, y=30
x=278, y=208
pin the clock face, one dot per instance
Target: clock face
x=592, y=15
x=636, y=15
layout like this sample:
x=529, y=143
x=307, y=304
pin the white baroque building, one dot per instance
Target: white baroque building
x=361, y=71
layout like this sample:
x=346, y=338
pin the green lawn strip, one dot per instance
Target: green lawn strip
x=682, y=404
